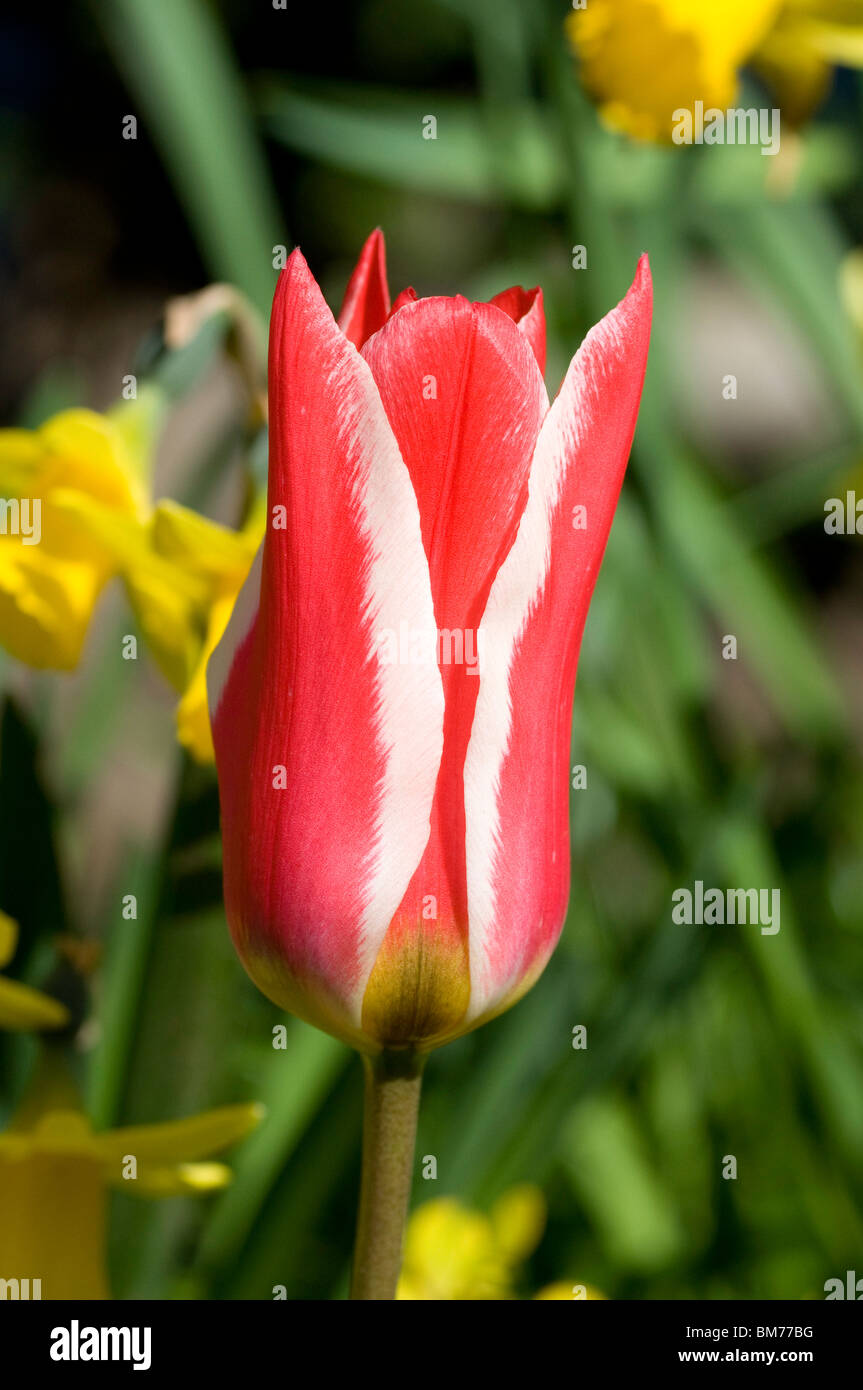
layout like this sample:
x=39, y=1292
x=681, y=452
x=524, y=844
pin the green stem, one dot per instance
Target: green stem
x=393, y=1083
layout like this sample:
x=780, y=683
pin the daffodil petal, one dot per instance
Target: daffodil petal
x=180, y=1141
x=179, y=1180
x=169, y=600
x=23, y=1008
x=193, y=714
x=45, y=605
x=215, y=550
x=84, y=452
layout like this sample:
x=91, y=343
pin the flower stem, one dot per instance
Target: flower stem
x=393, y=1082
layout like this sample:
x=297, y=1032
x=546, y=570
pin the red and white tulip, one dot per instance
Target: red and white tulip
x=391, y=702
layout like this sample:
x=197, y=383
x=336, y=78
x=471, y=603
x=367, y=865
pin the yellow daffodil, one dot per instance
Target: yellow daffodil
x=56, y=1174
x=76, y=510
x=51, y=570
x=642, y=60
x=23, y=1008
x=181, y=571
x=221, y=559
x=452, y=1252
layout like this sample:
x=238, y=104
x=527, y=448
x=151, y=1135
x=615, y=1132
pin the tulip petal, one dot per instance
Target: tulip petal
x=366, y=304
x=407, y=296
x=516, y=773
x=525, y=308
x=465, y=400
x=317, y=859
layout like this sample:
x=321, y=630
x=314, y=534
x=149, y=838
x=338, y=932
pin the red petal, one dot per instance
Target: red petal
x=408, y=296
x=525, y=308
x=517, y=769
x=366, y=304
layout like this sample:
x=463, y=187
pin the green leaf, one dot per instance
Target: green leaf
x=379, y=134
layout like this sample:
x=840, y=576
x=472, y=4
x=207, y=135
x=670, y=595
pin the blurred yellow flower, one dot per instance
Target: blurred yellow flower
x=220, y=559
x=642, y=60
x=182, y=572
x=51, y=570
x=56, y=1173
x=452, y=1252
x=23, y=1008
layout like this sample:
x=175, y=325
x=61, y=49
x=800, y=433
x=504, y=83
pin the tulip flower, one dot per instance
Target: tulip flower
x=391, y=700
x=23, y=1008
x=56, y=1175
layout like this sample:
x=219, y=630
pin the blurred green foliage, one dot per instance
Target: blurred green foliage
x=702, y=1041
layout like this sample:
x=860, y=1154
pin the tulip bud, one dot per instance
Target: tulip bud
x=391, y=701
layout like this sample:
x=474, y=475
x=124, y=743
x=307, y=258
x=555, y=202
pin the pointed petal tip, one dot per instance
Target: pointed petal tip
x=407, y=296
x=294, y=265
x=295, y=270
x=366, y=305
x=643, y=278
x=637, y=303
x=374, y=248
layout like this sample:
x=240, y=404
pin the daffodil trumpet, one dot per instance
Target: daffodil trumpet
x=396, y=832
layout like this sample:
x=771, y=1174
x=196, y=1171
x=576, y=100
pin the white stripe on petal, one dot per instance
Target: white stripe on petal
x=411, y=700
